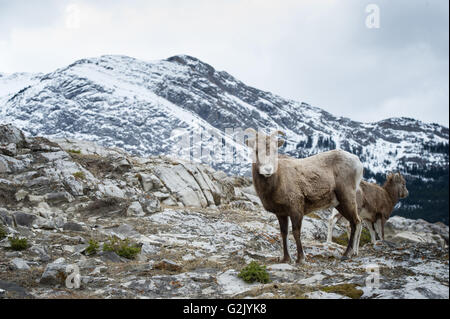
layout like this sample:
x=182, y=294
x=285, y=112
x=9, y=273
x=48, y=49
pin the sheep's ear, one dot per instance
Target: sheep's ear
x=280, y=142
x=276, y=133
x=250, y=142
x=251, y=136
x=389, y=176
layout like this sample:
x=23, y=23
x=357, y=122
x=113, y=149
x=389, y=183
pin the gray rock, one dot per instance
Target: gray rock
x=24, y=219
x=20, y=195
x=55, y=273
x=150, y=205
x=149, y=182
x=135, y=209
x=5, y=217
x=19, y=264
x=167, y=264
x=13, y=290
x=123, y=231
x=148, y=249
x=11, y=134
x=13, y=165
x=72, y=226
x=58, y=197
x=111, y=256
x=41, y=251
x=8, y=149
x=242, y=204
x=182, y=185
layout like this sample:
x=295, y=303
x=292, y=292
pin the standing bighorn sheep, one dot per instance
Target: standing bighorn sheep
x=375, y=205
x=290, y=187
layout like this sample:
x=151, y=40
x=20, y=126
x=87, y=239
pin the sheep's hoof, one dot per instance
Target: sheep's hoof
x=302, y=260
x=343, y=258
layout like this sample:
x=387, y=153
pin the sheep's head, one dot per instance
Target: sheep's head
x=398, y=184
x=265, y=150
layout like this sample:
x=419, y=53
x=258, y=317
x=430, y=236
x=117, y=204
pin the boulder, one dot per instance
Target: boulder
x=72, y=226
x=135, y=209
x=19, y=264
x=55, y=273
x=150, y=204
x=24, y=219
x=10, y=134
x=149, y=182
x=182, y=185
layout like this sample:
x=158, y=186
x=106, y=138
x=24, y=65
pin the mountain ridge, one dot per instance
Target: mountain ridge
x=121, y=101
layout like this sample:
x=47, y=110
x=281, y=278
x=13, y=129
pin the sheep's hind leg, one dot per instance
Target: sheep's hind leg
x=296, y=221
x=373, y=235
x=347, y=208
x=332, y=220
x=284, y=223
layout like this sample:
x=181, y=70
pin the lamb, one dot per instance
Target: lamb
x=292, y=188
x=375, y=205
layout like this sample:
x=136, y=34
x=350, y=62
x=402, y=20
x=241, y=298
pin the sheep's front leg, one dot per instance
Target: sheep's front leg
x=357, y=238
x=284, y=223
x=296, y=220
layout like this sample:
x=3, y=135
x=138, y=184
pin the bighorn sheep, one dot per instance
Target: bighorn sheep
x=290, y=187
x=375, y=205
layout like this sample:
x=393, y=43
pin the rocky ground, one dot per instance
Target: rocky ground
x=196, y=229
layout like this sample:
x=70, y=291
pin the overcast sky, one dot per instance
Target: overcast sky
x=316, y=51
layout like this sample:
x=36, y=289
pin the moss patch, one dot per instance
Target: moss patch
x=254, y=272
x=79, y=175
x=74, y=151
x=348, y=290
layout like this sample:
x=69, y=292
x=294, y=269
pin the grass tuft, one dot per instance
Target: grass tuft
x=3, y=232
x=18, y=243
x=93, y=247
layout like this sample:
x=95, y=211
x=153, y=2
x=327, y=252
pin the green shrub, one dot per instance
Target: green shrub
x=3, y=232
x=18, y=243
x=79, y=175
x=122, y=247
x=254, y=272
x=93, y=247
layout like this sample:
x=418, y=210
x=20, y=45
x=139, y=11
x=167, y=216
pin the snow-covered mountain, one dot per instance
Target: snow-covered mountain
x=133, y=104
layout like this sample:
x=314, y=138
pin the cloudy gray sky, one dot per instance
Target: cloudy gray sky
x=317, y=51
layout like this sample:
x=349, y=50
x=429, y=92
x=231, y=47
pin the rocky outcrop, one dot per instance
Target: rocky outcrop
x=196, y=229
